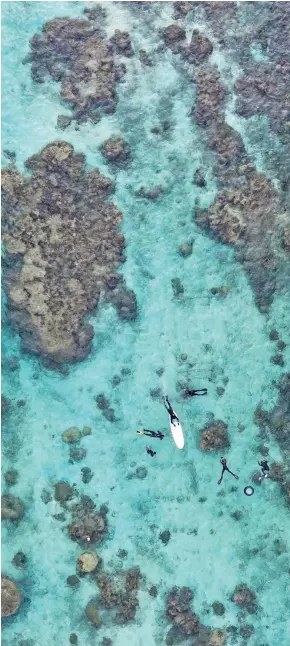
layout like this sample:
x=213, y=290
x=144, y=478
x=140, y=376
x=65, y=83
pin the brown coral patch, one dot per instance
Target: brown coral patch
x=63, y=247
x=74, y=52
x=215, y=437
x=10, y=597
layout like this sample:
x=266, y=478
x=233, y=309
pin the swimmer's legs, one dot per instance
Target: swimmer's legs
x=220, y=480
x=225, y=468
x=233, y=474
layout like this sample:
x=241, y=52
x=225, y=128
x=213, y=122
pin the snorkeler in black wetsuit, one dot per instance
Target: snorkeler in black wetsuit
x=173, y=418
x=265, y=468
x=193, y=393
x=150, y=451
x=146, y=431
x=225, y=468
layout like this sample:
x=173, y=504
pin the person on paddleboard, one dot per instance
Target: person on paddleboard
x=146, y=431
x=150, y=451
x=193, y=393
x=173, y=418
x=226, y=468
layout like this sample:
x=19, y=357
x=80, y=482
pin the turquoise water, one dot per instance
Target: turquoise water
x=227, y=344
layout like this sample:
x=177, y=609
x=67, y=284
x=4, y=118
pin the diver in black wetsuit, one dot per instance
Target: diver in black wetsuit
x=265, y=468
x=173, y=418
x=146, y=431
x=193, y=393
x=150, y=451
x=225, y=468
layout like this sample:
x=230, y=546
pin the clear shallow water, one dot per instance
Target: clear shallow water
x=226, y=342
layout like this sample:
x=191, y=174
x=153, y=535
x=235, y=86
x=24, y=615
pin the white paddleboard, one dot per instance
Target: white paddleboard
x=177, y=433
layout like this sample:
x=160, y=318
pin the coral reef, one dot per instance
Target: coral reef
x=63, y=246
x=77, y=453
x=87, y=562
x=12, y=507
x=11, y=477
x=220, y=291
x=127, y=608
x=120, y=593
x=71, y=435
x=245, y=598
x=173, y=35
x=124, y=300
x=19, y=560
x=63, y=121
x=181, y=9
x=5, y=405
x=214, y=437
x=132, y=579
x=116, y=150
x=150, y=193
x=246, y=213
x=88, y=525
x=63, y=492
x=277, y=422
x=198, y=50
x=102, y=402
x=145, y=58
x=179, y=612
x=109, y=594
x=87, y=475
x=185, y=249
x=218, y=637
x=210, y=96
x=165, y=536
x=122, y=43
x=218, y=608
x=92, y=613
x=104, y=405
x=199, y=178
x=73, y=52
x=73, y=581
x=177, y=287
x=10, y=597
x=264, y=87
